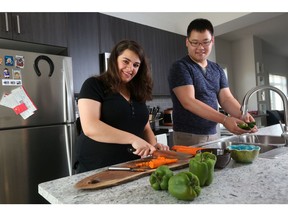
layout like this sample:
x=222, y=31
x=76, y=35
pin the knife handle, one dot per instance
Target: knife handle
x=131, y=149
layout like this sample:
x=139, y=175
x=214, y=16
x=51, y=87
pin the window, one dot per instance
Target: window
x=279, y=82
x=225, y=71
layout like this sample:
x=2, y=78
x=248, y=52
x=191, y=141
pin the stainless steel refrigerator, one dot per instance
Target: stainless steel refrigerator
x=34, y=147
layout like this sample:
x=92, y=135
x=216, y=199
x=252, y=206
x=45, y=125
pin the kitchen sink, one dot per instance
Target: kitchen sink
x=225, y=144
x=271, y=146
x=258, y=139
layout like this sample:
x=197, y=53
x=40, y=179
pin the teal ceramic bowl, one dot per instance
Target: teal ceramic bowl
x=244, y=153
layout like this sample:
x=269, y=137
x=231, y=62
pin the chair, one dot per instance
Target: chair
x=274, y=116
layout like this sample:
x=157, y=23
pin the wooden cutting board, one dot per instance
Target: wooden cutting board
x=109, y=178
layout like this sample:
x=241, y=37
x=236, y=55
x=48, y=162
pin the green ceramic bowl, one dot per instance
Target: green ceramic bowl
x=244, y=153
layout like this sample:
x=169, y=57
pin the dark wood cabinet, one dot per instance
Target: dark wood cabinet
x=83, y=46
x=112, y=30
x=41, y=28
x=5, y=25
x=168, y=47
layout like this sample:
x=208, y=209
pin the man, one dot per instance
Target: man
x=197, y=85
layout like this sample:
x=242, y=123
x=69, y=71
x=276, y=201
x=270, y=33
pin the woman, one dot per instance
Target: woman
x=113, y=113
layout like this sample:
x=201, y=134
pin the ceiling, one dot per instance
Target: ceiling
x=271, y=27
x=176, y=22
x=273, y=30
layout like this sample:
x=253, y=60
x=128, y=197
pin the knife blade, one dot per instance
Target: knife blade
x=167, y=154
x=127, y=169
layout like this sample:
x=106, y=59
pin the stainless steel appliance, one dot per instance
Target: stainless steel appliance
x=36, y=148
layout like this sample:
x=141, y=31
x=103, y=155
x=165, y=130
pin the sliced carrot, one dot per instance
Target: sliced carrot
x=156, y=162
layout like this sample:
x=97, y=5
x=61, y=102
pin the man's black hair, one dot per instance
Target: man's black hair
x=200, y=25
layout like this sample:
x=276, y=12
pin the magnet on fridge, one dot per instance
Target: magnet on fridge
x=1, y=60
x=9, y=60
x=19, y=61
x=6, y=73
x=16, y=74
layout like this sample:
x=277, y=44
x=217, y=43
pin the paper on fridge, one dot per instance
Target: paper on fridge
x=19, y=101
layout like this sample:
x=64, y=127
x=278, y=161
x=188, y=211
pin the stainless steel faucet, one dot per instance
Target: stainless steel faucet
x=244, y=107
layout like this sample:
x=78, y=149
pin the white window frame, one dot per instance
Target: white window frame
x=279, y=82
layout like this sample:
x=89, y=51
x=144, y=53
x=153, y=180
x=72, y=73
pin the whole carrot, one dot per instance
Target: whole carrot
x=186, y=149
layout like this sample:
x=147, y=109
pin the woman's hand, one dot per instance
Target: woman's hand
x=142, y=148
x=162, y=147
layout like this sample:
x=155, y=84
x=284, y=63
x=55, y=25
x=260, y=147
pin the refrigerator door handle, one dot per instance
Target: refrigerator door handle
x=68, y=145
x=68, y=90
x=46, y=58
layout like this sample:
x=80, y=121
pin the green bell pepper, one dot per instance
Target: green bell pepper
x=160, y=177
x=247, y=126
x=184, y=186
x=202, y=165
x=251, y=124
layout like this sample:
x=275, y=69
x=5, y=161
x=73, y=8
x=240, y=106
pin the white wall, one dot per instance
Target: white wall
x=244, y=69
x=212, y=56
x=224, y=59
x=275, y=63
x=238, y=57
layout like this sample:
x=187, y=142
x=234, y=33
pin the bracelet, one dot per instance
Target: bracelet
x=225, y=119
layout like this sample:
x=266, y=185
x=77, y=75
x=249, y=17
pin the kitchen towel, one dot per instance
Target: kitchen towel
x=162, y=138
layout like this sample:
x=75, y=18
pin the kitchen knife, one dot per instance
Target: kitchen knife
x=167, y=154
x=127, y=169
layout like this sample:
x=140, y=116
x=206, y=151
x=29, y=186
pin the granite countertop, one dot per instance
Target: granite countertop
x=264, y=181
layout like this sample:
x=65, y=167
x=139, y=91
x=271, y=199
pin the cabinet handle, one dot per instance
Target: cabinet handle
x=18, y=24
x=6, y=22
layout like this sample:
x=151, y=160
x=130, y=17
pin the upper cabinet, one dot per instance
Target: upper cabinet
x=41, y=28
x=83, y=39
x=168, y=47
x=5, y=25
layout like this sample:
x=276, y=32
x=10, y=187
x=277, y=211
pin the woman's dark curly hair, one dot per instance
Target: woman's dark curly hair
x=140, y=86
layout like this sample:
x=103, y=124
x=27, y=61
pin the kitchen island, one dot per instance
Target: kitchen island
x=265, y=181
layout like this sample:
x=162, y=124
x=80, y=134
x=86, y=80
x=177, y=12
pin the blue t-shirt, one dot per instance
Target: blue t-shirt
x=207, y=86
